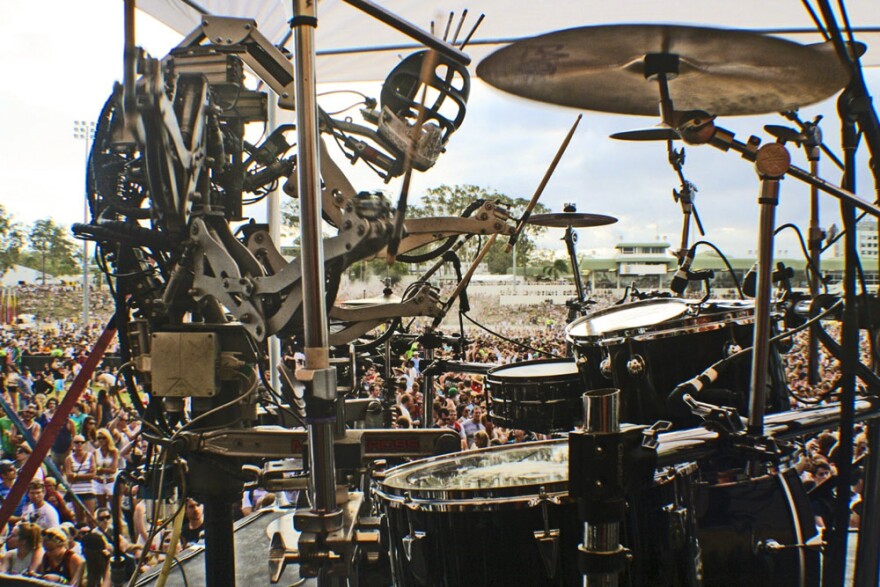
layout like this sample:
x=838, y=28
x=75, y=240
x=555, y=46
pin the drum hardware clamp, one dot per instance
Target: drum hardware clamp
x=415, y=537
x=547, y=539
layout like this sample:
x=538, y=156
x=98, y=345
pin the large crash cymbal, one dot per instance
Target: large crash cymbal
x=573, y=219
x=721, y=71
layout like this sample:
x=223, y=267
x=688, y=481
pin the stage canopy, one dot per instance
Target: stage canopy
x=353, y=46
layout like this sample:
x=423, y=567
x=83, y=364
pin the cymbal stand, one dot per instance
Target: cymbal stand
x=570, y=238
x=812, y=143
x=771, y=163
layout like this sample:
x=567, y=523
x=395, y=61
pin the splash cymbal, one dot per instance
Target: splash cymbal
x=573, y=219
x=720, y=71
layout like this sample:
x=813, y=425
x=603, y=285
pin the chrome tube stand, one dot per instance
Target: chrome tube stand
x=772, y=161
x=324, y=516
x=601, y=530
x=816, y=236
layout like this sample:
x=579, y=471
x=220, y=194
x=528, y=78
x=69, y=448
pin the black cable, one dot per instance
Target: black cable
x=512, y=341
x=810, y=265
x=816, y=20
x=726, y=262
x=846, y=25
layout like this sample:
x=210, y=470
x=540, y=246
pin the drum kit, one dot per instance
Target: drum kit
x=612, y=504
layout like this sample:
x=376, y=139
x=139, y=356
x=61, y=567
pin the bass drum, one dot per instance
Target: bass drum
x=502, y=516
x=741, y=520
x=647, y=348
x=540, y=396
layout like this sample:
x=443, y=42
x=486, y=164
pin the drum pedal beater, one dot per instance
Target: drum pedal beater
x=605, y=464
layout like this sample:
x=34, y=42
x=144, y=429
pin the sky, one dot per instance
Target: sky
x=61, y=60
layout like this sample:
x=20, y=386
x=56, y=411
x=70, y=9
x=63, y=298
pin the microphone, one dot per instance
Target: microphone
x=750, y=282
x=681, y=277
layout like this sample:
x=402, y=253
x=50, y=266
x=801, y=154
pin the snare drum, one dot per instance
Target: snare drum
x=540, y=396
x=648, y=348
x=502, y=516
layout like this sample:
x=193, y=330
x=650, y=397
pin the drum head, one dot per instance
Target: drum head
x=536, y=369
x=504, y=471
x=646, y=313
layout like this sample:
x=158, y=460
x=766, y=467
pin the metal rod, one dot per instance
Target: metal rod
x=761, y=354
x=382, y=14
x=834, y=566
x=601, y=416
x=315, y=331
x=428, y=399
x=798, y=173
x=867, y=572
x=815, y=264
x=570, y=239
x=219, y=542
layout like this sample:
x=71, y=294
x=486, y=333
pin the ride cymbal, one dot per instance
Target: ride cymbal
x=573, y=219
x=720, y=71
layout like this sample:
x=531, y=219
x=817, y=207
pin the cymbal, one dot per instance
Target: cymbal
x=367, y=302
x=573, y=219
x=721, y=71
x=647, y=134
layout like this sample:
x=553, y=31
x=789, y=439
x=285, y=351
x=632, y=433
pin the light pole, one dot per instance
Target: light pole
x=85, y=131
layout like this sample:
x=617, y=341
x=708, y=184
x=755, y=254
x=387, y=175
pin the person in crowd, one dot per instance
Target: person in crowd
x=194, y=526
x=470, y=426
x=60, y=563
x=29, y=424
x=80, y=471
x=106, y=465
x=96, y=552
x=8, y=475
x=56, y=498
x=24, y=550
x=39, y=511
x=89, y=432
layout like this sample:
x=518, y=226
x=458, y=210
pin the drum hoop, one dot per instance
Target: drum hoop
x=695, y=327
x=716, y=315
x=446, y=501
x=496, y=374
x=470, y=494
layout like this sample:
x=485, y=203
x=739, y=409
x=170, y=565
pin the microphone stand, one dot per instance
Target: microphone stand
x=772, y=161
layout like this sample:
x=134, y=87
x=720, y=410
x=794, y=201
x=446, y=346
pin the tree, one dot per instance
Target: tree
x=555, y=269
x=11, y=241
x=453, y=200
x=52, y=248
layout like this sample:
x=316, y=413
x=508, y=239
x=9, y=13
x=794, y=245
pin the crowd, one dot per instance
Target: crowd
x=61, y=529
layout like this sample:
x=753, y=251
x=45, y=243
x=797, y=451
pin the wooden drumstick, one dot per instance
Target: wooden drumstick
x=525, y=217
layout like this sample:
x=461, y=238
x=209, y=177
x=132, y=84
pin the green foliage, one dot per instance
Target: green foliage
x=448, y=200
x=12, y=237
x=50, y=249
x=394, y=273
x=557, y=268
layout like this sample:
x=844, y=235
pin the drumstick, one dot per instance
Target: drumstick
x=464, y=280
x=525, y=217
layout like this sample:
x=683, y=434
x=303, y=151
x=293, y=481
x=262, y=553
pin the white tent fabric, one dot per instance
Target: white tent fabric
x=353, y=46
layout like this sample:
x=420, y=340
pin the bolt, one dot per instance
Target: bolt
x=195, y=292
x=259, y=238
x=598, y=484
x=245, y=318
x=225, y=284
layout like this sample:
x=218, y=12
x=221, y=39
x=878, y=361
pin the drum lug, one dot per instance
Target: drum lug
x=636, y=366
x=413, y=538
x=605, y=368
x=547, y=539
x=412, y=542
